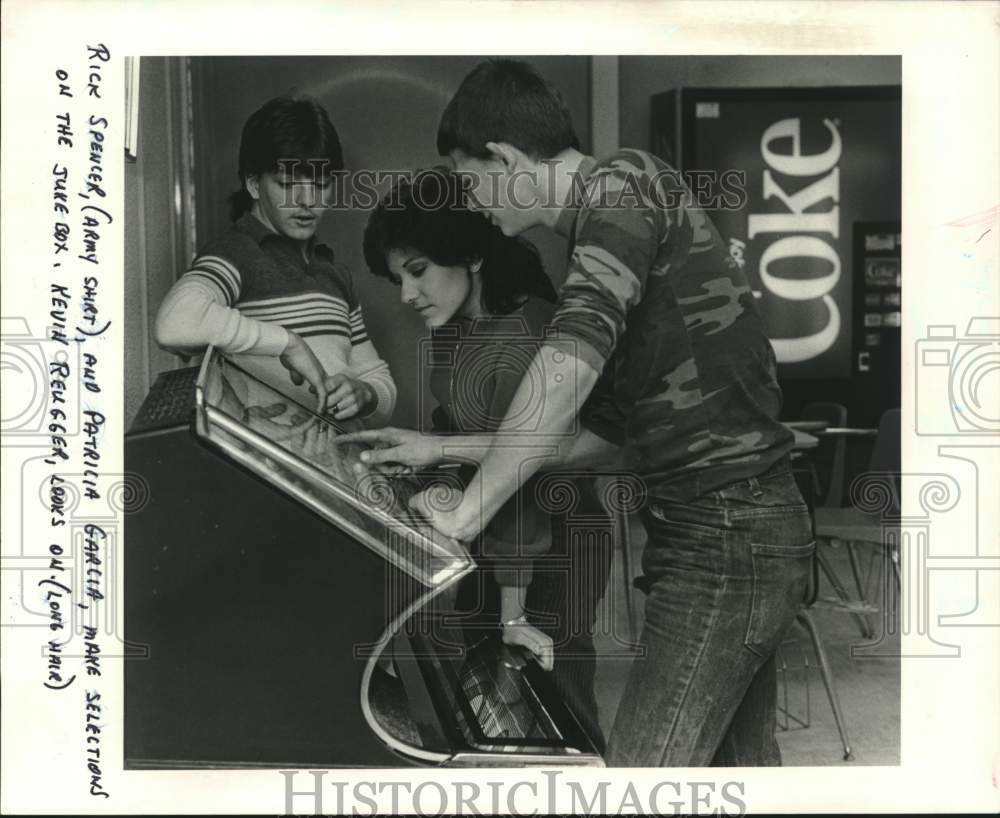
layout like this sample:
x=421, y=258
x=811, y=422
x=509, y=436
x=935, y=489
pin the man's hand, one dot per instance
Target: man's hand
x=347, y=397
x=526, y=635
x=405, y=447
x=303, y=365
x=444, y=508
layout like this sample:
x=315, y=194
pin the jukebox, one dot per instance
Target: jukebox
x=292, y=611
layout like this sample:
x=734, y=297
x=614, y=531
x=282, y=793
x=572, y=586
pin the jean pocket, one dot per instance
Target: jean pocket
x=675, y=544
x=780, y=577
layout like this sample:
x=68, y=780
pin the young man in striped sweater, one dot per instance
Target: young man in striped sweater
x=267, y=289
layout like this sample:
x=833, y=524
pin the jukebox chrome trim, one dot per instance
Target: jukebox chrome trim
x=408, y=750
x=448, y=558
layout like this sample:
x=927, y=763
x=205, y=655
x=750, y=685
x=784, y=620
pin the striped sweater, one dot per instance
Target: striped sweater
x=246, y=289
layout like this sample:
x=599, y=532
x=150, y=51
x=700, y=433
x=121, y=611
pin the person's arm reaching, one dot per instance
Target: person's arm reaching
x=366, y=390
x=514, y=454
x=408, y=447
x=372, y=370
x=613, y=255
x=197, y=313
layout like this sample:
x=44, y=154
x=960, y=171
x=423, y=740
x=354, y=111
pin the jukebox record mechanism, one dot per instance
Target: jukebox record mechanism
x=485, y=701
x=500, y=700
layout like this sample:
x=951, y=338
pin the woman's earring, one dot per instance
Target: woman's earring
x=474, y=267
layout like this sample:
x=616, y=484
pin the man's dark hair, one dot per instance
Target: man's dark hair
x=427, y=215
x=291, y=127
x=506, y=101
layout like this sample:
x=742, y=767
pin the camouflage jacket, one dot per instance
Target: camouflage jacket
x=654, y=302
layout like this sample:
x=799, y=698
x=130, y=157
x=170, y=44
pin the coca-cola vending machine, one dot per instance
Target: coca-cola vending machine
x=818, y=176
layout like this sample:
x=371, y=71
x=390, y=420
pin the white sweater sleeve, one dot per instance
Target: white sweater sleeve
x=377, y=375
x=196, y=313
x=368, y=365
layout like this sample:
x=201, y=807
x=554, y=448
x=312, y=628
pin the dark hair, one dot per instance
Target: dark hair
x=427, y=214
x=292, y=127
x=506, y=101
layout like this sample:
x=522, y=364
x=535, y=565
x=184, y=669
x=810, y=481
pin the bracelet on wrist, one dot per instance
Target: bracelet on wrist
x=517, y=620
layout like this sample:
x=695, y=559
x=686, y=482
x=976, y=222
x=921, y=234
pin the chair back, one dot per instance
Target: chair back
x=886, y=452
x=833, y=414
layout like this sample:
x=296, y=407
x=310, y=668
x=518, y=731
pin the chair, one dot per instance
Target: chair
x=804, y=477
x=835, y=415
x=853, y=525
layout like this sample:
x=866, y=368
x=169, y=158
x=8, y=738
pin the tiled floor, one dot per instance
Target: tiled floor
x=868, y=688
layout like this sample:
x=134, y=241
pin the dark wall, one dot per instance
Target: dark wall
x=386, y=110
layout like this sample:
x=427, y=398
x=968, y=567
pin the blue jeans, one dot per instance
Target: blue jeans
x=726, y=574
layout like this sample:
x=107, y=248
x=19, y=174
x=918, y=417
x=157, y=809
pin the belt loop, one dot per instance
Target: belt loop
x=755, y=488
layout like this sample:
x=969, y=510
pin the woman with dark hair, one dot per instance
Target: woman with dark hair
x=267, y=289
x=487, y=300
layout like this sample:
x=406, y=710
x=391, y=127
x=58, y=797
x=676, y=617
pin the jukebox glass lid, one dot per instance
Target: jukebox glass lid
x=290, y=446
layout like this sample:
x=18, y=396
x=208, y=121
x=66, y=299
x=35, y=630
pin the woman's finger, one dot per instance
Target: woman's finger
x=367, y=436
x=393, y=454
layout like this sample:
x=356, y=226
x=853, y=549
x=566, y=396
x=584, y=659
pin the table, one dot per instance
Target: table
x=843, y=431
x=803, y=440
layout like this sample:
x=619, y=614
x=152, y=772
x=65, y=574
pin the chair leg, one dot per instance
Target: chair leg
x=894, y=558
x=852, y=554
x=866, y=629
x=805, y=619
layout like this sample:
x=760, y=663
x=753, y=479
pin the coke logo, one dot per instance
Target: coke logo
x=790, y=246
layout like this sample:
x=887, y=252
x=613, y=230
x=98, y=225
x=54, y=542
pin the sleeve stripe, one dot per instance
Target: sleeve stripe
x=335, y=327
x=218, y=283
x=308, y=298
x=309, y=330
x=278, y=313
x=223, y=268
x=359, y=333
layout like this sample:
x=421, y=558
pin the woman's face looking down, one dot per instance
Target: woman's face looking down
x=439, y=293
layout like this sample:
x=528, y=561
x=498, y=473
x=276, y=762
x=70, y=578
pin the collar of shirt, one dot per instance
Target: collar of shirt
x=261, y=233
x=571, y=207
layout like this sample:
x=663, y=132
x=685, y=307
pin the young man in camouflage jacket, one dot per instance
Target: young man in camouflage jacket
x=657, y=355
